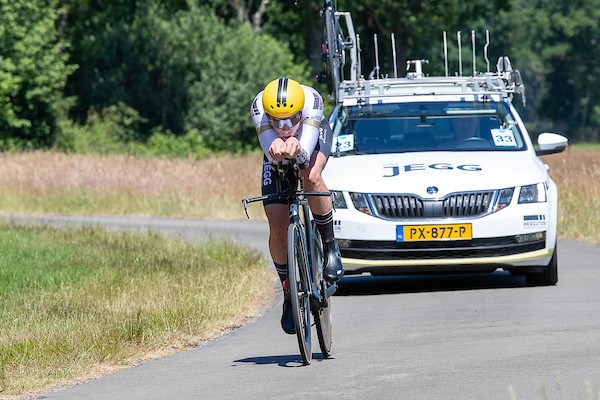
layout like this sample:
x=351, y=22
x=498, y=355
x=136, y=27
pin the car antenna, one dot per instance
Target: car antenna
x=445, y=53
x=473, y=48
x=394, y=55
x=375, y=72
x=458, y=34
x=485, y=49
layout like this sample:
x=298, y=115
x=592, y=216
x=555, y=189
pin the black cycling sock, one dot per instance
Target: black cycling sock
x=325, y=226
x=281, y=271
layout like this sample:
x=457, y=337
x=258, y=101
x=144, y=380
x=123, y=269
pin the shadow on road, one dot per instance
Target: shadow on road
x=357, y=285
x=292, y=360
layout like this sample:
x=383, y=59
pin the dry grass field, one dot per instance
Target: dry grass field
x=55, y=183
x=577, y=174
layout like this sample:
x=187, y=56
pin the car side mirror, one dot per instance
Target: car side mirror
x=551, y=143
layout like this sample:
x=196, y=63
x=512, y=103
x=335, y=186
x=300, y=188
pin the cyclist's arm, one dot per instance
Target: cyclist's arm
x=309, y=132
x=312, y=113
x=264, y=130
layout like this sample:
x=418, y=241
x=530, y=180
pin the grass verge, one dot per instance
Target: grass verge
x=78, y=301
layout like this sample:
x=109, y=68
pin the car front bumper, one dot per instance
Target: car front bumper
x=500, y=240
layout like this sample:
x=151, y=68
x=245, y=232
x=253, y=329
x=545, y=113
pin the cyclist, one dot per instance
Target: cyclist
x=289, y=121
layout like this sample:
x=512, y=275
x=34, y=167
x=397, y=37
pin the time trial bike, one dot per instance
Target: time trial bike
x=309, y=291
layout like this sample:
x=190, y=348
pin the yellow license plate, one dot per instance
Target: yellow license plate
x=414, y=233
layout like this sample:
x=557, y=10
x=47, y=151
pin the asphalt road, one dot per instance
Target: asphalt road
x=434, y=337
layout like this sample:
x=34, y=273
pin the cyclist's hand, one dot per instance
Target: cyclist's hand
x=292, y=147
x=278, y=151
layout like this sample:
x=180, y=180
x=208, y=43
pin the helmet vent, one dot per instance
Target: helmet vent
x=283, y=97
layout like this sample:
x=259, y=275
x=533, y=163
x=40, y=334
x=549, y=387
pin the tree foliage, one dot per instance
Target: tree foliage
x=33, y=72
x=233, y=64
x=555, y=46
x=155, y=71
x=181, y=67
x=566, y=40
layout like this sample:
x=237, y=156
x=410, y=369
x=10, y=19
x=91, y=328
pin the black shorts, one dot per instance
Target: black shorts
x=269, y=178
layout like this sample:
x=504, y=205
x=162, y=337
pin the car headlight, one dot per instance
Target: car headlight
x=359, y=200
x=504, y=198
x=533, y=193
x=338, y=199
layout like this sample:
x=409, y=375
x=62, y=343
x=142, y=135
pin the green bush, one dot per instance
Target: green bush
x=233, y=66
x=112, y=130
x=188, y=74
x=166, y=144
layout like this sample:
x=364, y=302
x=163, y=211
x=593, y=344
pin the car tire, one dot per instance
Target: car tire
x=550, y=275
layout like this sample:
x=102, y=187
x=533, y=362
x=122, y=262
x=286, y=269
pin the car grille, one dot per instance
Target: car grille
x=456, y=205
x=451, y=249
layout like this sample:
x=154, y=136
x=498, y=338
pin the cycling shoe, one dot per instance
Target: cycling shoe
x=287, y=317
x=333, y=270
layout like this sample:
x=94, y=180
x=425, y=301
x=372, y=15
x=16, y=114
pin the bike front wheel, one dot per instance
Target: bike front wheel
x=299, y=290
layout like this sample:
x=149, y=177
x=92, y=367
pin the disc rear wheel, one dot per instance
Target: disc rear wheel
x=324, y=325
x=322, y=314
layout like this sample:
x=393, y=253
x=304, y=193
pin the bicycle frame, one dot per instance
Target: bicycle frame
x=300, y=215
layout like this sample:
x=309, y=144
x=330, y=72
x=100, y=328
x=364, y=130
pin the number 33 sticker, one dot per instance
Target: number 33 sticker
x=504, y=138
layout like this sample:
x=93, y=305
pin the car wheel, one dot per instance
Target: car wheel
x=550, y=275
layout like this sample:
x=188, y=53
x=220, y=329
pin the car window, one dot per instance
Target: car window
x=436, y=126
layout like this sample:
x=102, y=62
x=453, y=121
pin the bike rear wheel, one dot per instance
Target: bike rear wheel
x=299, y=291
x=322, y=315
x=324, y=326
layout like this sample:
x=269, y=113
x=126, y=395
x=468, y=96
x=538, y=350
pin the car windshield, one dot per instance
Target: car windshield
x=426, y=126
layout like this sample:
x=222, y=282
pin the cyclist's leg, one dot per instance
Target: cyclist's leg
x=321, y=206
x=277, y=214
x=278, y=217
x=276, y=211
x=313, y=180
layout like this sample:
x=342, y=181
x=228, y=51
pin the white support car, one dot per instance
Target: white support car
x=439, y=174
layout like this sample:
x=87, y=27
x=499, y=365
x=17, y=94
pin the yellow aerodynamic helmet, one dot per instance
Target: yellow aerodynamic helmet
x=283, y=98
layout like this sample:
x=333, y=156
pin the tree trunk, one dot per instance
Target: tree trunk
x=256, y=18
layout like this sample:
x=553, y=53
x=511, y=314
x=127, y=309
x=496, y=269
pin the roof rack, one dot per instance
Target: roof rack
x=503, y=83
